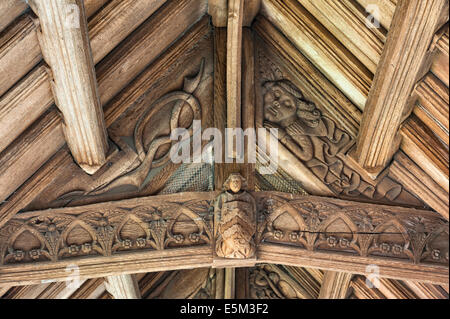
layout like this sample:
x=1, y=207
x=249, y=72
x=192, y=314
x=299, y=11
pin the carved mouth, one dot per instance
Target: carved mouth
x=272, y=110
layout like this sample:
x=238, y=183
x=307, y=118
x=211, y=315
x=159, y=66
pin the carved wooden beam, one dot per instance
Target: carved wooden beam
x=171, y=232
x=65, y=44
x=218, y=10
x=413, y=235
x=234, y=68
x=335, y=285
x=24, y=102
x=412, y=30
x=31, y=96
x=123, y=287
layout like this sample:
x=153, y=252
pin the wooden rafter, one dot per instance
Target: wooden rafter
x=402, y=62
x=335, y=285
x=65, y=45
x=123, y=287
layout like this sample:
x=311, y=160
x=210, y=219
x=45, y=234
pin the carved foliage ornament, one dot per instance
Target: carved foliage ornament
x=54, y=236
x=316, y=224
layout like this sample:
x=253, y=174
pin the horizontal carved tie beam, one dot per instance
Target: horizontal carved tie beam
x=170, y=232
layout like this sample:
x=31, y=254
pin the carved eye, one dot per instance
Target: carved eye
x=277, y=93
x=288, y=103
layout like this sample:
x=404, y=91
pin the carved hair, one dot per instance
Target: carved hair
x=226, y=185
x=305, y=110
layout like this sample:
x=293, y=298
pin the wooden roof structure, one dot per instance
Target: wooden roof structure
x=92, y=207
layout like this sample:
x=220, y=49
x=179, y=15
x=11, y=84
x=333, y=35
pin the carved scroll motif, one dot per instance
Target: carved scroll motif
x=53, y=236
x=135, y=177
x=269, y=282
x=318, y=142
x=235, y=220
x=315, y=224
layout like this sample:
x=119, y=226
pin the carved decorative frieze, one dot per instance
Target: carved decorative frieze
x=235, y=220
x=150, y=224
x=319, y=224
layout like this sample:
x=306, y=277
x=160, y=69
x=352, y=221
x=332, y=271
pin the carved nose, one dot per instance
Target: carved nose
x=276, y=104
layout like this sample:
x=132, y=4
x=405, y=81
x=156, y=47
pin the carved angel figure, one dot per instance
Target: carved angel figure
x=316, y=140
x=235, y=220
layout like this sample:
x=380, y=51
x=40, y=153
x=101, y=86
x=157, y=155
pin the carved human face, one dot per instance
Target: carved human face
x=279, y=105
x=235, y=184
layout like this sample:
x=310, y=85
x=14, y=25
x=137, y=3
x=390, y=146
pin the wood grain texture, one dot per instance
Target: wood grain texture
x=420, y=144
x=19, y=51
x=348, y=24
x=419, y=183
x=23, y=104
x=335, y=285
x=9, y=10
x=336, y=62
x=34, y=147
x=234, y=67
x=412, y=30
x=385, y=10
x=73, y=79
x=218, y=10
x=137, y=51
x=129, y=14
x=432, y=108
x=123, y=287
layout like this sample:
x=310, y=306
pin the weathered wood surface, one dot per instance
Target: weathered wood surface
x=73, y=79
x=413, y=27
x=419, y=183
x=123, y=287
x=219, y=11
x=333, y=59
x=383, y=10
x=175, y=231
x=349, y=25
x=335, y=285
x=234, y=67
x=105, y=73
